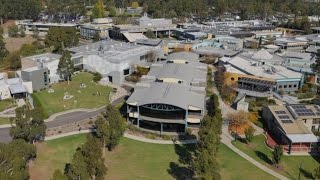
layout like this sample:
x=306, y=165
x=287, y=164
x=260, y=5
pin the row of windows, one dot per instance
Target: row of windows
x=286, y=86
x=316, y=121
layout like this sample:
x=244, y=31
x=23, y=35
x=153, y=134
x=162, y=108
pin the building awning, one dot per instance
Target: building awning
x=17, y=89
x=257, y=82
x=302, y=138
x=132, y=37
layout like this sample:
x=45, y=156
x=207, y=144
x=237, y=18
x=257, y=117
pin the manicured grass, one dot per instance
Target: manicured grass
x=54, y=154
x=138, y=160
x=4, y=120
x=5, y=104
x=82, y=97
x=289, y=164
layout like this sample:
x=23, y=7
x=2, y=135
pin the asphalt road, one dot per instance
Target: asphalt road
x=69, y=118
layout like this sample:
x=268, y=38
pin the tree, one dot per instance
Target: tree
x=57, y=175
x=317, y=173
x=31, y=49
x=277, y=154
x=92, y=153
x=3, y=51
x=14, y=157
x=61, y=37
x=15, y=9
x=134, y=5
x=249, y=133
x=78, y=167
x=112, y=12
x=96, y=37
x=97, y=77
x=14, y=60
x=238, y=119
x=35, y=32
x=149, y=34
x=98, y=10
x=22, y=32
x=65, y=66
x=151, y=56
x=13, y=31
x=28, y=125
x=111, y=127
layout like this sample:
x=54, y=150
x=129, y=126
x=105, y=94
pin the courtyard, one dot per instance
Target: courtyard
x=81, y=92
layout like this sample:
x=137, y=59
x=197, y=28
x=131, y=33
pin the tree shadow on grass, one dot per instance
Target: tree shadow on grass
x=264, y=157
x=306, y=174
x=182, y=170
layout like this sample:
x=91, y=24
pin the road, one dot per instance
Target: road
x=64, y=119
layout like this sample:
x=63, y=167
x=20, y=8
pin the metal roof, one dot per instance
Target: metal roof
x=17, y=88
x=168, y=93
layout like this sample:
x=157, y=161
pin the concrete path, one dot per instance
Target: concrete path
x=60, y=119
x=154, y=141
x=226, y=138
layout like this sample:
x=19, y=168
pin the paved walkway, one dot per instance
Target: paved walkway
x=154, y=141
x=226, y=138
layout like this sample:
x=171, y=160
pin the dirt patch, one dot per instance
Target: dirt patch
x=14, y=44
x=39, y=172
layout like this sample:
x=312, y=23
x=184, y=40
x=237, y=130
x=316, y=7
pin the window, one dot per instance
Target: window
x=285, y=86
x=313, y=128
x=126, y=72
x=280, y=86
x=316, y=121
x=290, y=86
x=141, y=58
x=232, y=79
x=295, y=85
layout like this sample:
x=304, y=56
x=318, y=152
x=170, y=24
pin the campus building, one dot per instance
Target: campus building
x=260, y=73
x=41, y=27
x=142, y=25
x=292, y=126
x=98, y=26
x=171, y=97
x=112, y=59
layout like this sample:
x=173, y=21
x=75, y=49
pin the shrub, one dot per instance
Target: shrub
x=249, y=132
x=13, y=31
x=97, y=77
x=150, y=136
x=166, y=137
x=189, y=131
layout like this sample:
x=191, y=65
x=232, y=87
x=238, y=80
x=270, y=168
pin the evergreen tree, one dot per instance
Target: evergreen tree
x=249, y=132
x=65, y=66
x=110, y=127
x=14, y=157
x=3, y=51
x=29, y=125
x=14, y=60
x=277, y=154
x=61, y=37
x=78, y=167
x=98, y=10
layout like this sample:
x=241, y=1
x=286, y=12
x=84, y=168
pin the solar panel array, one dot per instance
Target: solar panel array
x=284, y=117
x=302, y=110
x=318, y=110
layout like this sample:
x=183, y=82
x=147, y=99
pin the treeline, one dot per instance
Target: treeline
x=88, y=162
x=205, y=165
x=18, y=9
x=27, y=127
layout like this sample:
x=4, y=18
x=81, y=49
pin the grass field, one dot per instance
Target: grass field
x=138, y=160
x=5, y=104
x=82, y=97
x=289, y=164
x=4, y=120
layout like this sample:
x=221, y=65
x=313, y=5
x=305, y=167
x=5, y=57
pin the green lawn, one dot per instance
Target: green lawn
x=4, y=120
x=5, y=104
x=289, y=164
x=138, y=160
x=83, y=97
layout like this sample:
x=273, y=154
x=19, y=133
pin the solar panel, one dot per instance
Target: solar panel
x=302, y=110
x=280, y=112
x=286, y=121
x=284, y=117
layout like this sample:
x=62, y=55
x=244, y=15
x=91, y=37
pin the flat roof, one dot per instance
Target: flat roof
x=111, y=51
x=167, y=93
x=17, y=88
x=46, y=57
x=257, y=68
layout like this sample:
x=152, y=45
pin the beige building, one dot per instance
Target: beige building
x=292, y=126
